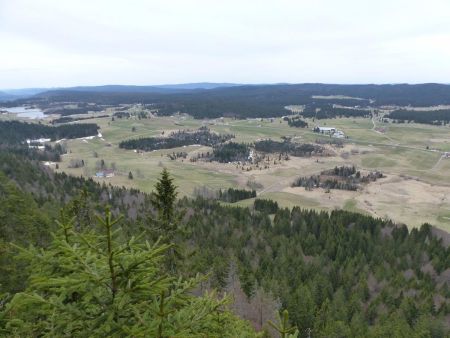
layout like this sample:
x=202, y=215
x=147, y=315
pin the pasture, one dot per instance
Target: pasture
x=416, y=189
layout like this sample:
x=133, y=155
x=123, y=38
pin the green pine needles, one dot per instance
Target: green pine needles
x=91, y=283
x=283, y=327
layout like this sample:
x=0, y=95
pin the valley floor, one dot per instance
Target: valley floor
x=416, y=188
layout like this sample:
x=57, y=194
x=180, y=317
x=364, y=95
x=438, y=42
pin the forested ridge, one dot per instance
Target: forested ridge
x=15, y=132
x=254, y=100
x=338, y=274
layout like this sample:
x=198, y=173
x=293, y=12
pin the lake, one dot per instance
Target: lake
x=32, y=113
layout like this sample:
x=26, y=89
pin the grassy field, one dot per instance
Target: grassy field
x=400, y=152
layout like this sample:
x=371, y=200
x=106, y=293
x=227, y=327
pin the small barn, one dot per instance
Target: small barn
x=105, y=173
x=326, y=130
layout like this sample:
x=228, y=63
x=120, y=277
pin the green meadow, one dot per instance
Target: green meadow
x=404, y=150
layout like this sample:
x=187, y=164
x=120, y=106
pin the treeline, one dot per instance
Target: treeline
x=15, y=132
x=202, y=136
x=434, y=117
x=343, y=178
x=232, y=195
x=296, y=121
x=288, y=147
x=230, y=152
x=68, y=119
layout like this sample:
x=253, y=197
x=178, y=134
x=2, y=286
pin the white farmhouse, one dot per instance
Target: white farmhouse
x=326, y=130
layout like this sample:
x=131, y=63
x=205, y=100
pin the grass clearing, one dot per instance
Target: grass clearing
x=400, y=153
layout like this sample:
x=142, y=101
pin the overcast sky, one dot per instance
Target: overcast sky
x=50, y=43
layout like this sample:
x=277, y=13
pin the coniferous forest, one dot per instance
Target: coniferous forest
x=203, y=136
x=15, y=132
x=344, y=178
x=288, y=147
x=327, y=111
x=83, y=259
x=435, y=117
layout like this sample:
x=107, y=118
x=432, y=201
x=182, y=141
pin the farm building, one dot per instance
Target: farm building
x=105, y=173
x=325, y=130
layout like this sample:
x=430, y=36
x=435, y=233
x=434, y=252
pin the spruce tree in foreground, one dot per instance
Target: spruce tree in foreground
x=90, y=284
x=283, y=328
x=166, y=225
x=164, y=198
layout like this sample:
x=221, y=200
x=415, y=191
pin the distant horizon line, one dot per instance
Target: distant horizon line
x=235, y=84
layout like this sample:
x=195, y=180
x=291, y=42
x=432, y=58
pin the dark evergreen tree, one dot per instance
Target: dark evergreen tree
x=91, y=284
x=164, y=198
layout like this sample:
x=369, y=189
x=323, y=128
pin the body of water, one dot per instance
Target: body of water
x=32, y=113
